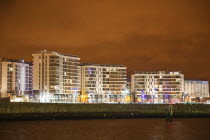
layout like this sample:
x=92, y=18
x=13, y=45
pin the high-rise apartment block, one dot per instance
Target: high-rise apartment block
x=15, y=78
x=195, y=88
x=56, y=76
x=157, y=86
x=103, y=83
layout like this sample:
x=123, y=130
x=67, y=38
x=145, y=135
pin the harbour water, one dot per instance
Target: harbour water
x=112, y=129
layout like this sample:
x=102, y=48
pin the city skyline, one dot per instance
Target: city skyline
x=142, y=35
x=59, y=77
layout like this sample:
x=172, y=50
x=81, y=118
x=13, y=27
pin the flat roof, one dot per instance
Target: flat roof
x=15, y=60
x=157, y=72
x=102, y=65
x=197, y=81
x=45, y=51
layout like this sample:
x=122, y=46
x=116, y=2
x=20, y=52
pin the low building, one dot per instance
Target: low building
x=195, y=88
x=103, y=83
x=15, y=79
x=157, y=86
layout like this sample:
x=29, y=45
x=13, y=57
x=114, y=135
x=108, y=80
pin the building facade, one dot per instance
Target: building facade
x=15, y=78
x=195, y=88
x=56, y=76
x=103, y=83
x=157, y=86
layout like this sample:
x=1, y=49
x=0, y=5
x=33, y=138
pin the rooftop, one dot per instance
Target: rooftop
x=102, y=65
x=48, y=52
x=196, y=81
x=158, y=72
x=15, y=60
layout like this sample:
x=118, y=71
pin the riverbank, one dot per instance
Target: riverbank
x=49, y=111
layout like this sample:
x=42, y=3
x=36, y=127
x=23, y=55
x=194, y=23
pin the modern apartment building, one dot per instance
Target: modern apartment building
x=157, y=86
x=195, y=88
x=103, y=83
x=56, y=76
x=15, y=78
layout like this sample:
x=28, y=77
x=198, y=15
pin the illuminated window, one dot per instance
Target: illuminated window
x=10, y=69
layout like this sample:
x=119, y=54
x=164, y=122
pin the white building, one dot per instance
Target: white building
x=157, y=86
x=56, y=76
x=103, y=83
x=15, y=78
x=195, y=88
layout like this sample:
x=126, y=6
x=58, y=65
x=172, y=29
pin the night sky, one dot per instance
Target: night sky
x=144, y=35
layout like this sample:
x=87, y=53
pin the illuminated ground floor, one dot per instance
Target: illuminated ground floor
x=59, y=98
x=97, y=98
x=166, y=98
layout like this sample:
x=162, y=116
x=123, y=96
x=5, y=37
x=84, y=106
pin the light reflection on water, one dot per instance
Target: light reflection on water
x=121, y=129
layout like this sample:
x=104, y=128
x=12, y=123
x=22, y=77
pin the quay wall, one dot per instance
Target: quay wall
x=22, y=111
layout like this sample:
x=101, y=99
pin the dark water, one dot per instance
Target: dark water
x=122, y=129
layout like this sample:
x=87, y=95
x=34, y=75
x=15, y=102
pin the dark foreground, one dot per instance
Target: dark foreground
x=114, y=129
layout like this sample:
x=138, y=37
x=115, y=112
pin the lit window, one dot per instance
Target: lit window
x=10, y=69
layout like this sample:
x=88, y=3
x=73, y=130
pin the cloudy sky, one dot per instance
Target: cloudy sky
x=144, y=35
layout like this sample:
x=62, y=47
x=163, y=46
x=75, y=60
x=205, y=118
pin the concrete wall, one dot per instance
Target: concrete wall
x=99, y=110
